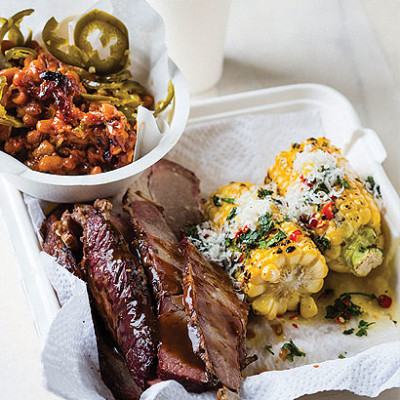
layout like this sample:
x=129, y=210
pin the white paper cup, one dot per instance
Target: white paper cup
x=195, y=37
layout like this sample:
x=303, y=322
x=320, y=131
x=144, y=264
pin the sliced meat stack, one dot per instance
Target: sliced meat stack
x=61, y=240
x=195, y=331
x=118, y=287
x=161, y=258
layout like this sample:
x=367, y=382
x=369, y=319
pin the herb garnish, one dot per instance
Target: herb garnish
x=371, y=185
x=217, y=200
x=265, y=223
x=343, y=309
x=363, y=326
x=268, y=348
x=343, y=182
x=295, y=145
x=231, y=214
x=276, y=239
x=348, y=332
x=322, y=243
x=341, y=356
x=191, y=231
x=263, y=193
x=294, y=351
x=321, y=188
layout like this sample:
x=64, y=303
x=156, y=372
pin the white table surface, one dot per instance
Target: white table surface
x=352, y=45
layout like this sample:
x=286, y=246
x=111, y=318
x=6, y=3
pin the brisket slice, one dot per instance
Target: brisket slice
x=217, y=326
x=158, y=249
x=176, y=190
x=118, y=288
x=114, y=371
x=59, y=241
x=113, y=368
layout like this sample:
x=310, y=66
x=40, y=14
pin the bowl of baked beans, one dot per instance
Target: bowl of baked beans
x=70, y=125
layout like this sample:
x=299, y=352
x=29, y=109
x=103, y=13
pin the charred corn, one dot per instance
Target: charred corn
x=332, y=203
x=277, y=263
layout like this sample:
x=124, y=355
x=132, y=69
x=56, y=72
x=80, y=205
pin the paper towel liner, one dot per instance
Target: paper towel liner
x=149, y=66
x=237, y=149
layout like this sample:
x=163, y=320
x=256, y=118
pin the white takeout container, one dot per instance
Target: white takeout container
x=67, y=189
x=341, y=124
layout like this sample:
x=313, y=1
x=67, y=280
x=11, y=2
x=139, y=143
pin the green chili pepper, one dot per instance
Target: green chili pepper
x=11, y=26
x=163, y=104
x=5, y=119
x=82, y=54
x=54, y=42
x=16, y=53
x=111, y=29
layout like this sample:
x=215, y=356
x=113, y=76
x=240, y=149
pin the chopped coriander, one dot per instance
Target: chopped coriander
x=322, y=243
x=371, y=181
x=363, y=326
x=321, y=188
x=286, y=218
x=263, y=193
x=294, y=351
x=265, y=223
x=343, y=182
x=231, y=214
x=341, y=356
x=395, y=322
x=276, y=239
x=268, y=348
x=295, y=145
x=191, y=231
x=343, y=308
x=348, y=331
x=228, y=242
x=229, y=200
x=372, y=186
x=216, y=201
x=277, y=201
x=249, y=238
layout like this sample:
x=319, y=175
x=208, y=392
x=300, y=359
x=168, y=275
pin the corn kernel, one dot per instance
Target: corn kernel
x=308, y=308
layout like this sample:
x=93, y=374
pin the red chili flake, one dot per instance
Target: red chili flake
x=384, y=301
x=304, y=180
x=295, y=316
x=293, y=235
x=316, y=366
x=312, y=222
x=346, y=302
x=328, y=210
x=241, y=258
x=279, y=315
x=241, y=231
x=295, y=325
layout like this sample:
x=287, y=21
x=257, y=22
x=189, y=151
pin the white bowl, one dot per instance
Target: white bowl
x=69, y=189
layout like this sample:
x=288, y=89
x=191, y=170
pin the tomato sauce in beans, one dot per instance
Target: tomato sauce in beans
x=63, y=133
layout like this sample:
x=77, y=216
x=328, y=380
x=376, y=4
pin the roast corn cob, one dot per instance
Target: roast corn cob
x=332, y=203
x=279, y=266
